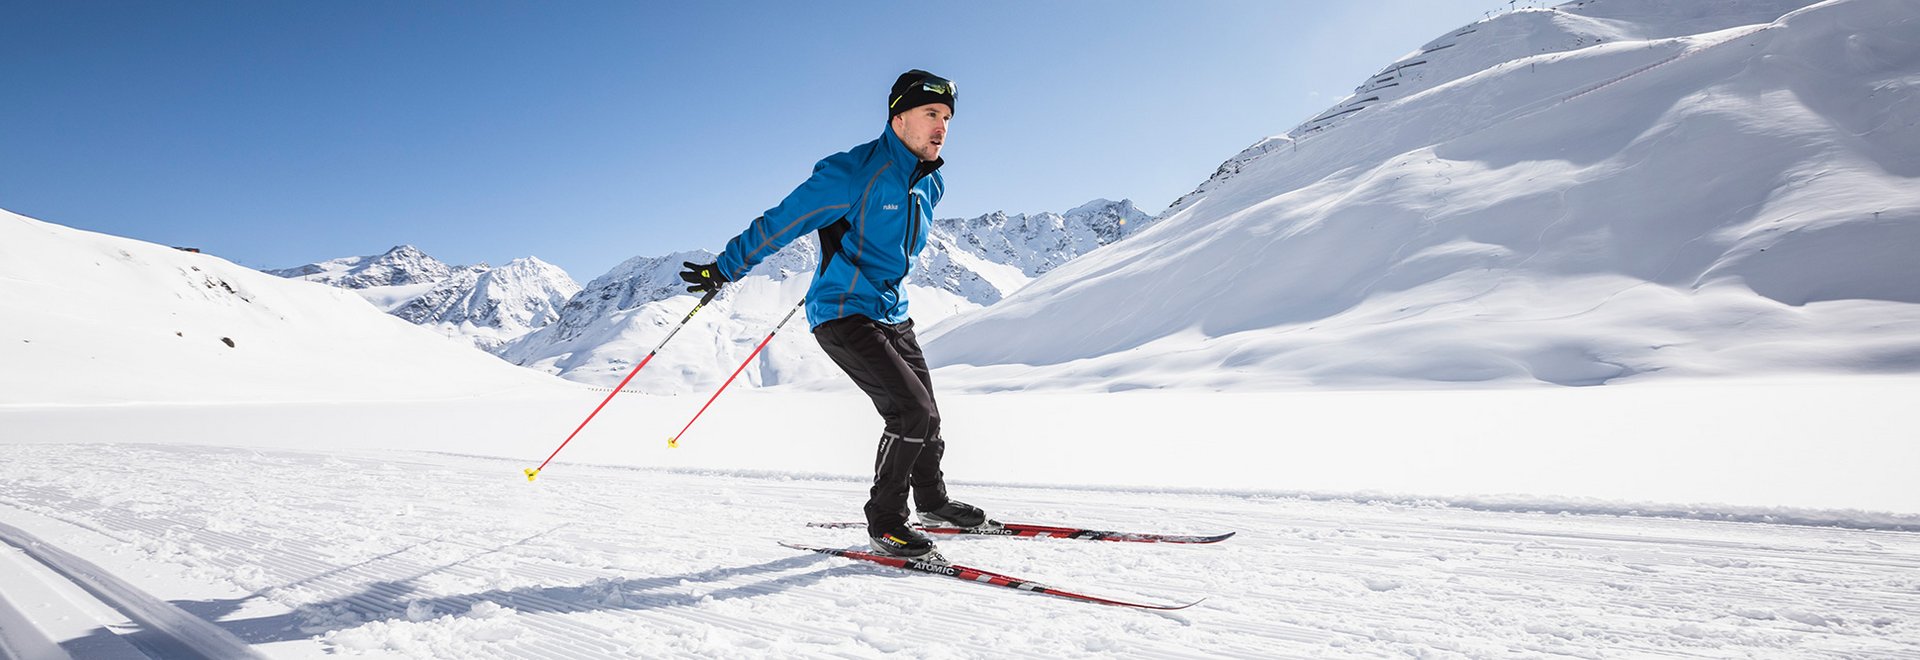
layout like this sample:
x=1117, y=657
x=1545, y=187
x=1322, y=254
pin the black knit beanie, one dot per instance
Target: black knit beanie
x=917, y=88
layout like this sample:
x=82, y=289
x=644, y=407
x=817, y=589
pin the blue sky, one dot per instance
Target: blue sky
x=584, y=133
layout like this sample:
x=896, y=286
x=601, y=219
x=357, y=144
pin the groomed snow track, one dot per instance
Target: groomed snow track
x=165, y=631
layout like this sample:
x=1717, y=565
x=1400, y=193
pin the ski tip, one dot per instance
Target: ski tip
x=531, y=473
x=1170, y=608
x=1157, y=608
x=673, y=443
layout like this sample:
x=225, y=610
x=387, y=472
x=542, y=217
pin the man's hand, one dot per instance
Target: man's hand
x=703, y=277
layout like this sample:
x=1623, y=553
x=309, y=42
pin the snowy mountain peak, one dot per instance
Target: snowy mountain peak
x=493, y=305
x=490, y=306
x=1110, y=220
x=403, y=265
x=1038, y=243
x=633, y=283
x=1101, y=205
x=404, y=251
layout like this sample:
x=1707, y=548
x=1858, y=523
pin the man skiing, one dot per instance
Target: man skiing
x=870, y=205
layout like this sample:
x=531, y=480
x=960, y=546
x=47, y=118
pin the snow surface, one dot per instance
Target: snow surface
x=400, y=554
x=1604, y=203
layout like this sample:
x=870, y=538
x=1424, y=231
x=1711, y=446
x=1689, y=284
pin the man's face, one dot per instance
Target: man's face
x=923, y=129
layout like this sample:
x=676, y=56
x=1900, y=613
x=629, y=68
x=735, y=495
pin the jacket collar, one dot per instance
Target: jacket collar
x=898, y=153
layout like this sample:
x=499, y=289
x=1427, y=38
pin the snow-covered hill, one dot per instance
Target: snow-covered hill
x=92, y=318
x=1609, y=189
x=602, y=331
x=487, y=306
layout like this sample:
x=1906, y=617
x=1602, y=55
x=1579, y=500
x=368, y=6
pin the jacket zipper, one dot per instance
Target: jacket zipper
x=913, y=209
x=913, y=222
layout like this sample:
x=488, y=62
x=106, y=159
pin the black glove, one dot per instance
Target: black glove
x=703, y=277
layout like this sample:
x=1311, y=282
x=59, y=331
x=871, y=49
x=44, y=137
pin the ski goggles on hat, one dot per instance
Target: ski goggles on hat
x=916, y=88
x=939, y=85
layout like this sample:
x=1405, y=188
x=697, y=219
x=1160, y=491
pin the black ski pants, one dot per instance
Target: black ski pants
x=885, y=361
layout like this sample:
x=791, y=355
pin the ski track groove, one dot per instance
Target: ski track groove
x=1347, y=578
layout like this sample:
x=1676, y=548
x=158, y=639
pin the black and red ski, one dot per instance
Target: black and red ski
x=1049, y=531
x=936, y=566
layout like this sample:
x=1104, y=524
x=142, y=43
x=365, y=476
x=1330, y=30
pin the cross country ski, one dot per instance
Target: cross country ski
x=934, y=564
x=993, y=528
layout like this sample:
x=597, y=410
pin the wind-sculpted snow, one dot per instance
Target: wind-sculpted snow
x=1604, y=191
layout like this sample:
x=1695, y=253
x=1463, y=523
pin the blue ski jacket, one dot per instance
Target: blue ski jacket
x=870, y=205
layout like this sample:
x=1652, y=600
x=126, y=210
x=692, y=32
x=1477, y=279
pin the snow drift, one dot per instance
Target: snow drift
x=1606, y=190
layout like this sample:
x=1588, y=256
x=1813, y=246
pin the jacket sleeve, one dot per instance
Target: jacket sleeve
x=823, y=199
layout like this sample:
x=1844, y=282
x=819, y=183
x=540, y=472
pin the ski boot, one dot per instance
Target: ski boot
x=903, y=541
x=955, y=514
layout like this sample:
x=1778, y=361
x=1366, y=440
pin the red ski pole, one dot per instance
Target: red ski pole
x=535, y=471
x=675, y=440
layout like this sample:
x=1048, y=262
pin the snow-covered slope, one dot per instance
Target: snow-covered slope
x=1609, y=189
x=485, y=305
x=602, y=331
x=92, y=318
